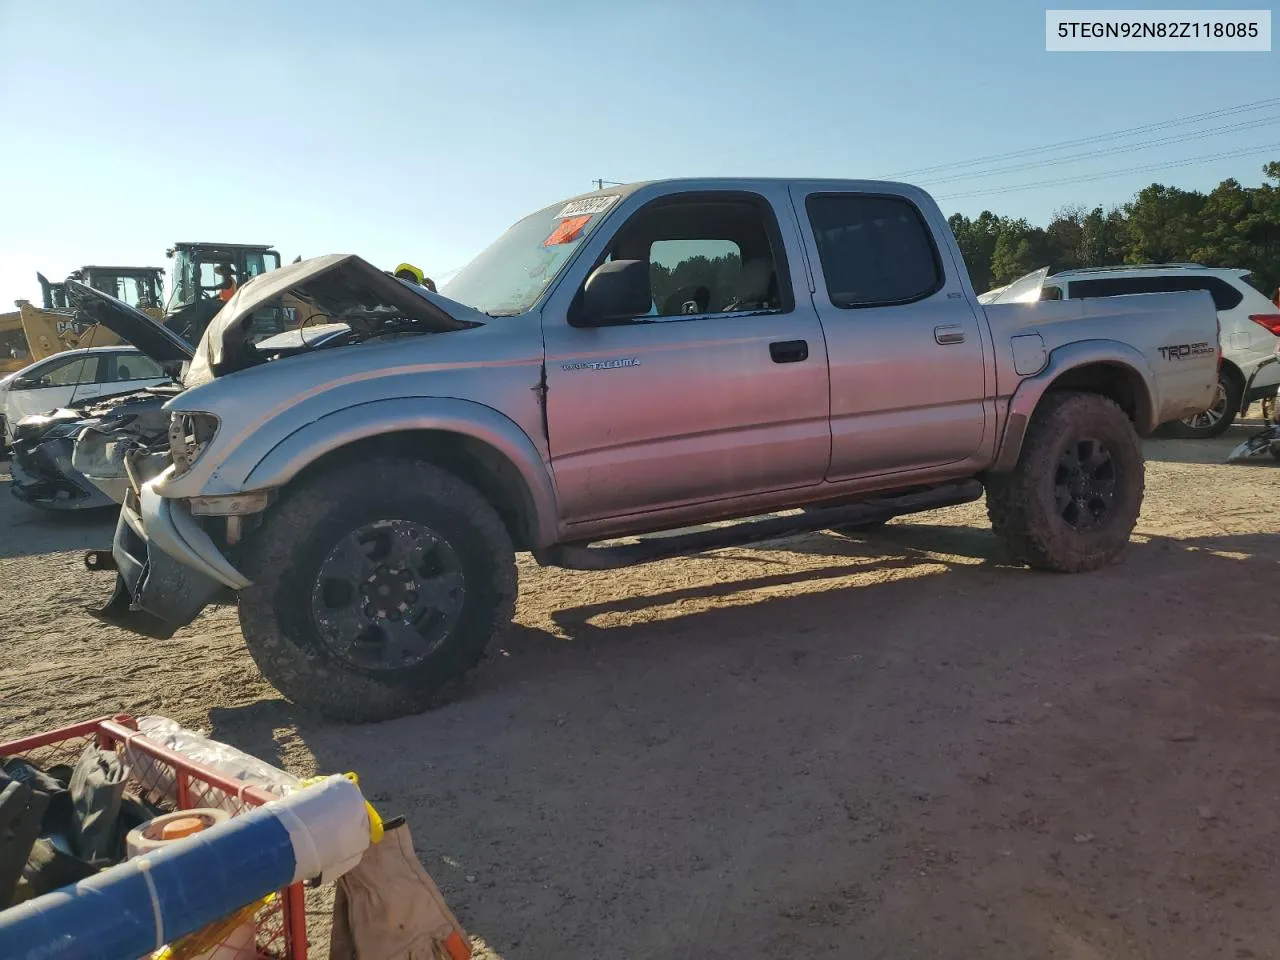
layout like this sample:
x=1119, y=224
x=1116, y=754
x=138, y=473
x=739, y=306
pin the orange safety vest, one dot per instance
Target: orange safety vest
x=226, y=293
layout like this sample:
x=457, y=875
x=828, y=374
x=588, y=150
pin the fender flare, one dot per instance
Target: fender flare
x=1062, y=360
x=378, y=417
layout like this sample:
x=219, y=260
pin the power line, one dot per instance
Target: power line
x=1190, y=161
x=1097, y=138
x=1089, y=155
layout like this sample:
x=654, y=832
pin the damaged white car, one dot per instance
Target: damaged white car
x=118, y=389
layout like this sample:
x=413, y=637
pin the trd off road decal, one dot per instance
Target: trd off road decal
x=601, y=364
x=1182, y=351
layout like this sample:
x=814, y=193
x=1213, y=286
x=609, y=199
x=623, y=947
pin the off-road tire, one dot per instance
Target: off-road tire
x=1233, y=390
x=284, y=557
x=1022, y=506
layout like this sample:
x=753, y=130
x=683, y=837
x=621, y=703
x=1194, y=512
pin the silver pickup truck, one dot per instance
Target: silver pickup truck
x=645, y=358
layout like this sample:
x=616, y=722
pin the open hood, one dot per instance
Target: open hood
x=130, y=324
x=337, y=288
x=1026, y=289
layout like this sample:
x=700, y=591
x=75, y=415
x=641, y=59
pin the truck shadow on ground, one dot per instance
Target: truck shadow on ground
x=606, y=782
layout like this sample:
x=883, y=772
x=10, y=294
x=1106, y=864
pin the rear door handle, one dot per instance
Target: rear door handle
x=949, y=333
x=789, y=351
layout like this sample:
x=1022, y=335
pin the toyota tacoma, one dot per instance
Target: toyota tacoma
x=794, y=355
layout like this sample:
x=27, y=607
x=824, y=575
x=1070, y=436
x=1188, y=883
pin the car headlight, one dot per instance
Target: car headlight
x=63, y=430
x=189, y=435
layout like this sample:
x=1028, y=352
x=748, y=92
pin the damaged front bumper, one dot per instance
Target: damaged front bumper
x=168, y=568
x=44, y=477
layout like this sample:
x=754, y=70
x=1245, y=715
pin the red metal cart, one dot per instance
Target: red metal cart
x=281, y=924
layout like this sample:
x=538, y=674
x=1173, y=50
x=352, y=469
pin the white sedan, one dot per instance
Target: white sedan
x=72, y=376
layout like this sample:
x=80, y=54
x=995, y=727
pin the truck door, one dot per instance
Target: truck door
x=720, y=391
x=908, y=379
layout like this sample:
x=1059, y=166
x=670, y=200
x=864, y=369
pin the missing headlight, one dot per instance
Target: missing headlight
x=189, y=434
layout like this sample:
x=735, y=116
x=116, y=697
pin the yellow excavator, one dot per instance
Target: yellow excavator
x=53, y=327
x=201, y=274
x=13, y=344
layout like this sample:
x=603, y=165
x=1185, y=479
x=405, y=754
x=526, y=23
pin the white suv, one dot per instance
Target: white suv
x=1250, y=324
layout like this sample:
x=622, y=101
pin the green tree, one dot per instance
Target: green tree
x=1065, y=239
x=977, y=241
x=1020, y=248
x=1104, y=238
x=1165, y=224
x=1231, y=226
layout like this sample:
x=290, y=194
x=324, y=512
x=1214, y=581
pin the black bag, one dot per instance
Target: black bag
x=97, y=790
x=57, y=818
x=21, y=810
x=48, y=868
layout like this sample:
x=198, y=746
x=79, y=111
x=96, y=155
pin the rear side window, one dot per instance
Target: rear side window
x=122, y=367
x=875, y=251
x=1225, y=296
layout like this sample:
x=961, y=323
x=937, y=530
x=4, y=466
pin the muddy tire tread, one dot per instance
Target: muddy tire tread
x=1035, y=537
x=308, y=676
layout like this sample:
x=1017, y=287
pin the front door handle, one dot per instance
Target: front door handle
x=949, y=333
x=789, y=351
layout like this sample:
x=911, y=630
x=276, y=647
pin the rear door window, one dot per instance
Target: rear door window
x=1225, y=296
x=122, y=367
x=875, y=251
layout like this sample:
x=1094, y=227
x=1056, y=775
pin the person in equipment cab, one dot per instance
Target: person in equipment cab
x=228, y=285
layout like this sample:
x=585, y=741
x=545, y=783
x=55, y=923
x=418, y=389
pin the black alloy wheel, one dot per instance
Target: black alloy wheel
x=387, y=595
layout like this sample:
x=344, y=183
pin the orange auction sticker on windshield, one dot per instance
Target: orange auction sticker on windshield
x=567, y=231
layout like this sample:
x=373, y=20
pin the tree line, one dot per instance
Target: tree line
x=1230, y=226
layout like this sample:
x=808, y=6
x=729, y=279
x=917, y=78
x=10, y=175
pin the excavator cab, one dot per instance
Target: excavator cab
x=200, y=272
x=53, y=327
x=141, y=287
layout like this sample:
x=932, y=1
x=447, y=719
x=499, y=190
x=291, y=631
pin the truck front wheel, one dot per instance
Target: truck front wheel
x=1073, y=499
x=375, y=585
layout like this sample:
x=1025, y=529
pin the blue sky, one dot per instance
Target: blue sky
x=419, y=131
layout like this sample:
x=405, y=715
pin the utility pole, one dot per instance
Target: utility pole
x=601, y=184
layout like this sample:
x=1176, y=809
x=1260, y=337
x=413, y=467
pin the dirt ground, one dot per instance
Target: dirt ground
x=889, y=746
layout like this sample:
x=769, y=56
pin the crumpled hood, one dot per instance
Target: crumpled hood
x=130, y=324
x=338, y=287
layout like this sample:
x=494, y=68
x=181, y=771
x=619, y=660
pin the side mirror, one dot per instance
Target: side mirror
x=29, y=383
x=615, y=292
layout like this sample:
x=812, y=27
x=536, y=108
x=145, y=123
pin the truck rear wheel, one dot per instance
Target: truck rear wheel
x=375, y=586
x=1073, y=499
